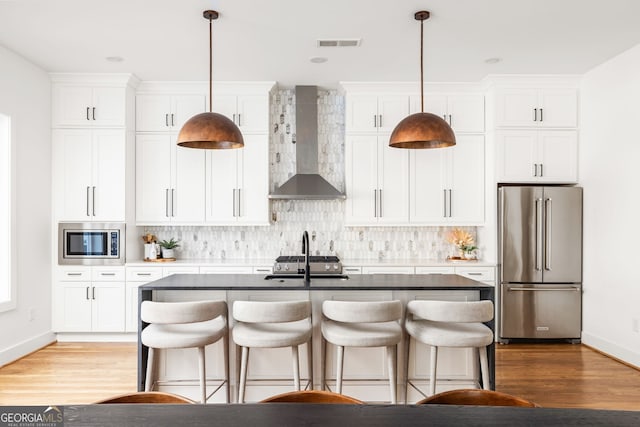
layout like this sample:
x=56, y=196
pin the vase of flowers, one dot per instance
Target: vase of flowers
x=464, y=243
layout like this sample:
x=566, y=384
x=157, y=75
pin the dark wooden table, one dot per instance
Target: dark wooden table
x=359, y=282
x=302, y=414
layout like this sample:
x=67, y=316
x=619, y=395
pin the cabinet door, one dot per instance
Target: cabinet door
x=72, y=105
x=253, y=181
x=253, y=113
x=152, y=113
x=108, y=307
x=183, y=107
x=72, y=309
x=466, y=113
x=393, y=183
x=433, y=103
x=188, y=190
x=466, y=180
x=559, y=108
x=131, y=306
x=109, y=104
x=226, y=105
x=362, y=113
x=427, y=185
x=558, y=156
x=516, y=156
x=391, y=110
x=108, y=189
x=515, y=107
x=221, y=186
x=153, y=178
x=361, y=176
x=74, y=169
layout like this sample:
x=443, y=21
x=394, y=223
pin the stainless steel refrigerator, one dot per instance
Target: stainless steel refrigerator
x=540, y=262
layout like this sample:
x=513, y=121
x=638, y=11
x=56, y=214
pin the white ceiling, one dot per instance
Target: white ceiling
x=274, y=40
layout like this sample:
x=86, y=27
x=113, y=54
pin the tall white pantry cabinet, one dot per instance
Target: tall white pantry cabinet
x=92, y=139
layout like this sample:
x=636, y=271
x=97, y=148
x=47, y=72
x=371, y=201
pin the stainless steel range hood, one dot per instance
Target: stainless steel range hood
x=307, y=184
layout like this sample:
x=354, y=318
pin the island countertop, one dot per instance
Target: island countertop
x=354, y=282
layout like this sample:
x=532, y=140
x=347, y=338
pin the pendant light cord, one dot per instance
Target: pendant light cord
x=421, y=67
x=210, y=65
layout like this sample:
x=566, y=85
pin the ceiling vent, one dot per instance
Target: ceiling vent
x=339, y=42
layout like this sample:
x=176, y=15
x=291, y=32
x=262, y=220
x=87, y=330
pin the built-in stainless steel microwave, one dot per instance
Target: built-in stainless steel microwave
x=91, y=243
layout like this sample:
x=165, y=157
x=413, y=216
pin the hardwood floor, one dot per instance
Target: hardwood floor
x=552, y=375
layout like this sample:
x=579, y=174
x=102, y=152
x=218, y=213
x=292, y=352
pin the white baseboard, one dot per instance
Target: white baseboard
x=19, y=350
x=611, y=349
x=97, y=337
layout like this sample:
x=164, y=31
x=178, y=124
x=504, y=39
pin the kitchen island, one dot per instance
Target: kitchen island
x=381, y=286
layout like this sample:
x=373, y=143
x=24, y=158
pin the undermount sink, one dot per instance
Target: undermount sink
x=301, y=276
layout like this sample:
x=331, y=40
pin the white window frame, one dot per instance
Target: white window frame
x=7, y=217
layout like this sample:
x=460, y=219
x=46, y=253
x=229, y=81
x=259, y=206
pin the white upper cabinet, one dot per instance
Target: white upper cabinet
x=170, y=186
x=447, y=185
x=463, y=112
x=525, y=107
x=377, y=181
x=89, y=174
x=80, y=105
x=237, y=184
x=160, y=112
x=249, y=112
x=375, y=113
x=537, y=156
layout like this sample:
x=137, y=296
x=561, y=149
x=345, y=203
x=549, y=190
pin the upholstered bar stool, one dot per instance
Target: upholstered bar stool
x=185, y=325
x=450, y=324
x=266, y=324
x=363, y=324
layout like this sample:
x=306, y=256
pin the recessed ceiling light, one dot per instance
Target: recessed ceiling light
x=492, y=60
x=318, y=59
x=114, y=58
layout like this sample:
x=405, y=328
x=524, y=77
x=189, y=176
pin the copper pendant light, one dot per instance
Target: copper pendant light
x=210, y=130
x=422, y=130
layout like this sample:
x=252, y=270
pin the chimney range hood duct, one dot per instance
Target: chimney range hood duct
x=307, y=184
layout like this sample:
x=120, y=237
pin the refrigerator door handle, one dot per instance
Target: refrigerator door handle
x=548, y=214
x=568, y=288
x=538, y=233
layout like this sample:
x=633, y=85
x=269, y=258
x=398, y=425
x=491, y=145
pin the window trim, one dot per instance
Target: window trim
x=8, y=250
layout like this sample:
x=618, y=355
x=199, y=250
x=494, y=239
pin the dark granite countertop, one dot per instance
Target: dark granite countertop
x=354, y=282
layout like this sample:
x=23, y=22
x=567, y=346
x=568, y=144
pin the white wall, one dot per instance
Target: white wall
x=609, y=164
x=25, y=96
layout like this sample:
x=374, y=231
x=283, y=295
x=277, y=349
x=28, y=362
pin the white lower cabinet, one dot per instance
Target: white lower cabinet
x=89, y=299
x=386, y=269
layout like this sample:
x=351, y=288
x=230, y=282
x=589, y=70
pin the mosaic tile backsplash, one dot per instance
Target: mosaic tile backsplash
x=323, y=219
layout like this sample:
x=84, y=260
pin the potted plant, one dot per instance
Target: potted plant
x=168, y=247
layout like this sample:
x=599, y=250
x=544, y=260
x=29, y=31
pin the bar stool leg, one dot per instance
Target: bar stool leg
x=296, y=367
x=225, y=349
x=434, y=364
x=310, y=363
x=484, y=367
x=392, y=358
x=203, y=375
x=148, y=383
x=243, y=373
x=407, y=354
x=323, y=365
x=340, y=366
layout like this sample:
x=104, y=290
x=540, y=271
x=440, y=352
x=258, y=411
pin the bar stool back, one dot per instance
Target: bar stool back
x=266, y=324
x=185, y=325
x=450, y=324
x=363, y=324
